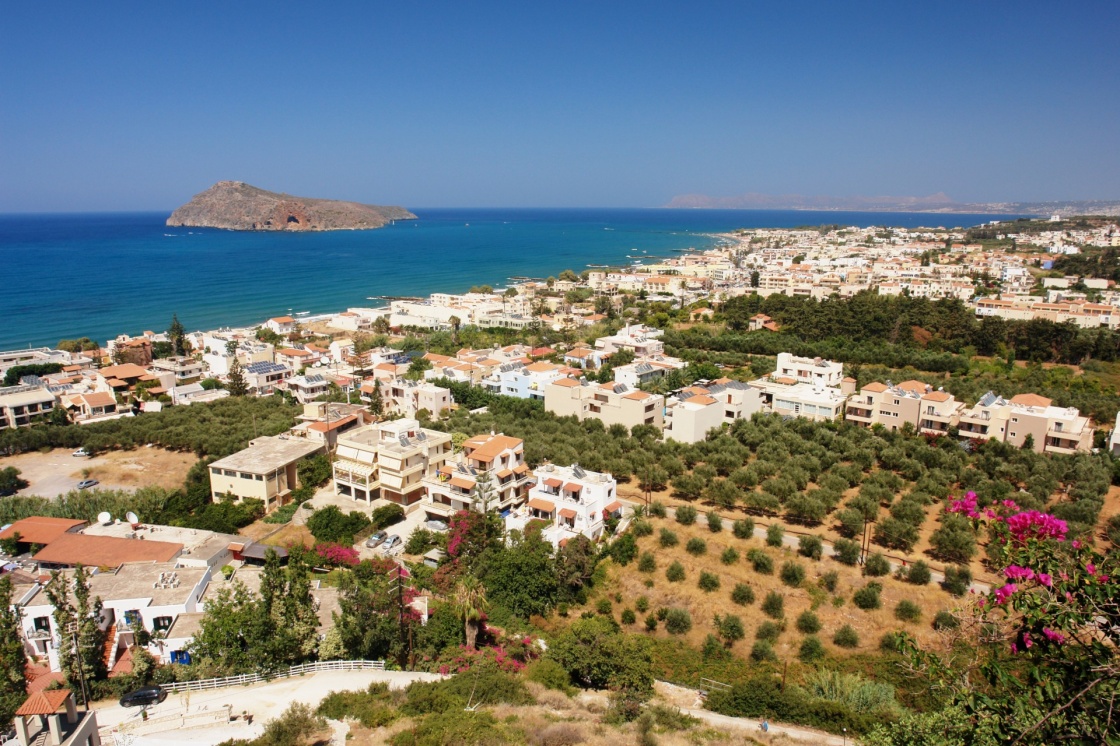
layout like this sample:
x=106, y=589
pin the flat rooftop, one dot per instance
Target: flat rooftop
x=162, y=582
x=266, y=455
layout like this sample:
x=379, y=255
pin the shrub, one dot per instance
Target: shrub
x=675, y=573
x=293, y=726
x=808, y=623
x=420, y=541
x=641, y=527
x=557, y=734
x=646, y=562
x=651, y=623
x=762, y=652
x=890, y=641
x=550, y=674
x=792, y=574
x=385, y=516
x=846, y=637
x=829, y=581
x=715, y=523
x=603, y=606
x=918, y=574
x=876, y=566
x=628, y=616
x=810, y=547
x=730, y=628
x=761, y=562
x=661, y=612
x=846, y=552
x=696, y=546
x=642, y=604
x=678, y=621
x=730, y=556
x=957, y=580
x=657, y=509
x=686, y=515
x=742, y=594
x=768, y=631
x=867, y=597
x=743, y=529
x=373, y=708
x=811, y=650
x=945, y=620
x=667, y=538
x=774, y=534
x=773, y=605
x=709, y=582
x=907, y=611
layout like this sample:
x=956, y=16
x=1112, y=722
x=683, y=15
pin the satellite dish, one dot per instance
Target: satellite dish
x=132, y=517
x=105, y=518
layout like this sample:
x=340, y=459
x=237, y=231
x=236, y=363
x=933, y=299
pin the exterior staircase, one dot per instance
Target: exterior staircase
x=109, y=656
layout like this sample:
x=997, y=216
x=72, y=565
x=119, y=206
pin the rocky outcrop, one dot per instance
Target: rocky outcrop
x=235, y=205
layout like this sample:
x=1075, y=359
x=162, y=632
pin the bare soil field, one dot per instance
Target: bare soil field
x=57, y=472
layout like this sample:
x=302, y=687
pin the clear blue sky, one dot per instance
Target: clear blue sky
x=139, y=105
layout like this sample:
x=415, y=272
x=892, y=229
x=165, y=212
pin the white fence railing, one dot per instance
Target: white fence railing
x=252, y=678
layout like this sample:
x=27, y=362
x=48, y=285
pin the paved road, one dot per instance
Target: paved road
x=263, y=701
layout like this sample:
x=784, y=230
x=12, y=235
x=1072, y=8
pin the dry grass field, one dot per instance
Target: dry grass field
x=56, y=472
x=834, y=610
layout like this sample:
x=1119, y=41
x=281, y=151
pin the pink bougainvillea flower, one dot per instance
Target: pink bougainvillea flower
x=1076, y=544
x=1053, y=635
x=1027, y=640
x=1035, y=525
x=1044, y=579
x=1091, y=568
x=1004, y=593
x=1015, y=572
x=1014, y=648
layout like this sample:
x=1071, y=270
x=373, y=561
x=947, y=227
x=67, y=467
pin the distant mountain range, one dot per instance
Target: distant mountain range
x=939, y=202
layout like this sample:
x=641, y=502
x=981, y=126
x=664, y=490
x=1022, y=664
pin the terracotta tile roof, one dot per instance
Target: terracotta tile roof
x=875, y=387
x=323, y=427
x=293, y=353
x=504, y=473
x=704, y=400
x=105, y=551
x=463, y=484
x=573, y=487
x=1031, y=400
x=542, y=505
x=938, y=396
x=282, y=319
x=39, y=529
x=567, y=513
x=916, y=387
x=521, y=469
x=125, y=370
x=554, y=482
x=486, y=447
x=785, y=380
x=44, y=703
x=613, y=507
x=637, y=396
x=541, y=351
x=567, y=383
x=541, y=367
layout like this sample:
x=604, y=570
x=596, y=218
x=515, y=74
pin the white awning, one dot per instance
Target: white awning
x=348, y=452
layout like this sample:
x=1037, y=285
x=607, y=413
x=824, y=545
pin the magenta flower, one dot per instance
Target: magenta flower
x=1091, y=568
x=1014, y=648
x=1015, y=572
x=1045, y=579
x=1027, y=640
x=1076, y=544
x=1004, y=593
x=1035, y=525
x=1053, y=635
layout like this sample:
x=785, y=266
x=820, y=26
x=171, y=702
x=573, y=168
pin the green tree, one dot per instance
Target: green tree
x=376, y=401
x=597, y=655
x=10, y=481
x=177, y=335
x=470, y=605
x=75, y=610
x=13, y=659
x=520, y=576
x=235, y=381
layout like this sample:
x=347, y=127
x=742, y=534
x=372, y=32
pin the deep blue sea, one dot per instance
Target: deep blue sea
x=99, y=275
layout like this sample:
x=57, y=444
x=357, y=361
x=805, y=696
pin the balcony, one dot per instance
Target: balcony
x=858, y=414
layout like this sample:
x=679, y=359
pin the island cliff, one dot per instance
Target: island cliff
x=238, y=206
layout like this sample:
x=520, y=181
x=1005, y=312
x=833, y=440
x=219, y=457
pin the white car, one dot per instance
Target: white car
x=391, y=543
x=80, y=452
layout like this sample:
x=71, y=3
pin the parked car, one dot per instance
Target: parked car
x=436, y=525
x=376, y=539
x=144, y=697
x=80, y=452
x=85, y=484
x=392, y=542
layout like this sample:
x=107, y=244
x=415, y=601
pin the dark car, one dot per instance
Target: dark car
x=144, y=697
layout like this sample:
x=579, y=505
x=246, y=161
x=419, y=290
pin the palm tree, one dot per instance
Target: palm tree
x=455, y=322
x=470, y=603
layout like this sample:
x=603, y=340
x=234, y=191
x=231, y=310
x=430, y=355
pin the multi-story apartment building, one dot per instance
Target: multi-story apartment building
x=575, y=501
x=805, y=387
x=694, y=411
x=489, y=473
x=523, y=381
x=183, y=368
x=813, y=370
x=407, y=397
x=642, y=340
x=21, y=405
x=893, y=405
x=646, y=370
x=266, y=470
x=1051, y=429
x=389, y=460
x=611, y=403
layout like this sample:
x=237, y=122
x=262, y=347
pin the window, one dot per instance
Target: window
x=42, y=624
x=896, y=402
x=162, y=623
x=1014, y=419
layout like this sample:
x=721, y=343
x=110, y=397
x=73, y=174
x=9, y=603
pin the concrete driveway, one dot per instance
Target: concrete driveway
x=263, y=701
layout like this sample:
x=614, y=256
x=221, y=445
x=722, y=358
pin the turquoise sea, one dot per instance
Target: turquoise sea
x=99, y=275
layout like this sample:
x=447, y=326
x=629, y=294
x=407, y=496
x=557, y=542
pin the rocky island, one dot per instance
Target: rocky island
x=235, y=205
